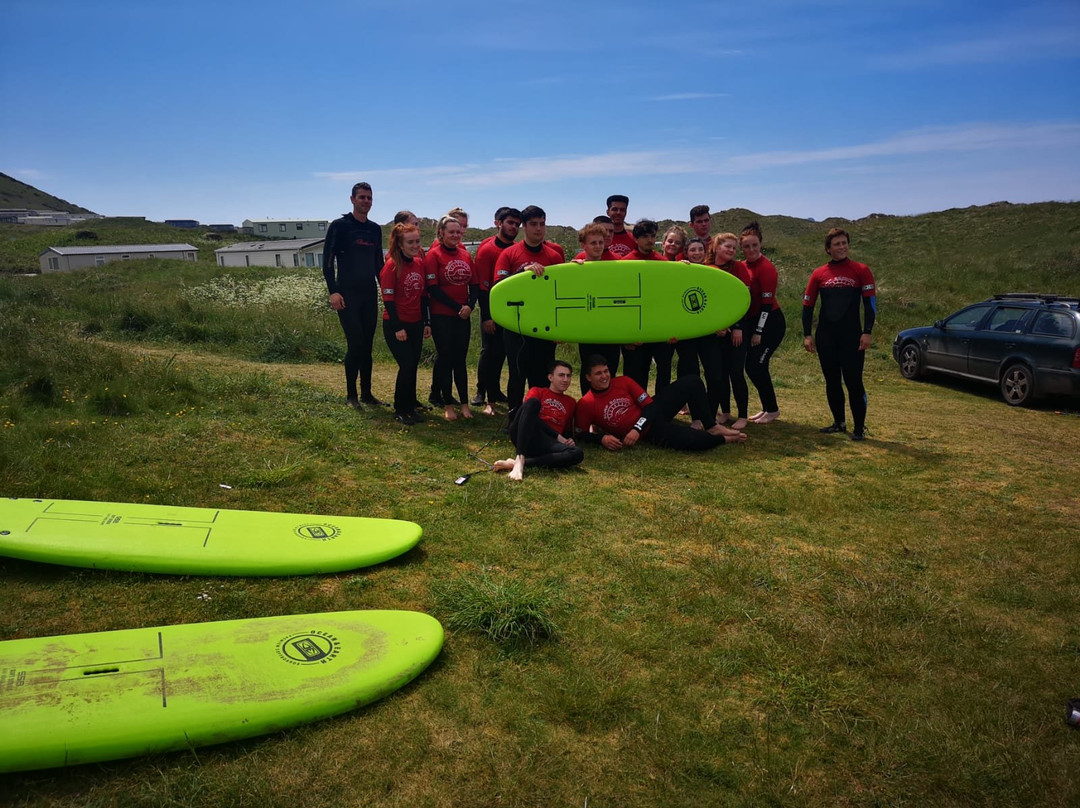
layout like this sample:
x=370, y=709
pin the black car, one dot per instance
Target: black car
x=1027, y=344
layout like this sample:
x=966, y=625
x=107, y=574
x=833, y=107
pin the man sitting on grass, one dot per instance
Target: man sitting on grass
x=541, y=426
x=624, y=413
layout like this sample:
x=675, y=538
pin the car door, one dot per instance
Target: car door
x=947, y=346
x=997, y=336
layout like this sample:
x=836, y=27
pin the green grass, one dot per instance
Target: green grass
x=798, y=621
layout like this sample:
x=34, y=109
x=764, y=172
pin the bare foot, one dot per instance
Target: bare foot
x=739, y=424
x=449, y=414
x=696, y=424
x=768, y=417
x=754, y=418
x=684, y=411
x=738, y=437
x=488, y=410
x=723, y=418
x=503, y=465
x=465, y=411
x=727, y=432
x=517, y=473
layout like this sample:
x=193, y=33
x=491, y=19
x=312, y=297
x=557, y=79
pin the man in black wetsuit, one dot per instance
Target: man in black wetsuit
x=354, y=246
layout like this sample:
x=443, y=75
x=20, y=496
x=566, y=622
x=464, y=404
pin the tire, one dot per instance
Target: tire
x=911, y=365
x=1017, y=385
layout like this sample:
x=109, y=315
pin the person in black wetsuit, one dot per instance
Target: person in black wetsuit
x=353, y=248
x=841, y=340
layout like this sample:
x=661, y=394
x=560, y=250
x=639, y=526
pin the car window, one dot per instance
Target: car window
x=967, y=319
x=1054, y=324
x=1006, y=319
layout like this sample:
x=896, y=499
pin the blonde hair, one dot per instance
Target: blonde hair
x=715, y=242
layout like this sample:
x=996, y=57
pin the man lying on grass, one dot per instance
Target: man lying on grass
x=623, y=413
x=541, y=426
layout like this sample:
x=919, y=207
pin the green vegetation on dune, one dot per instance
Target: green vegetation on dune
x=802, y=620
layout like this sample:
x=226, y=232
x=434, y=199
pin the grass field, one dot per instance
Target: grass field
x=802, y=620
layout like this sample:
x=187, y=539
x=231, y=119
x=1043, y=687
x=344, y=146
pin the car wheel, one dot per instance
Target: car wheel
x=1017, y=385
x=910, y=361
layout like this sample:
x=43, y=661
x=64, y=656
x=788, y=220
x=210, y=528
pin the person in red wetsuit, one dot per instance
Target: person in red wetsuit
x=617, y=412
x=492, y=349
x=605, y=254
x=622, y=241
x=405, y=315
x=543, y=425
x=638, y=358
x=527, y=357
x=842, y=340
x=594, y=238
x=453, y=291
x=723, y=356
x=766, y=319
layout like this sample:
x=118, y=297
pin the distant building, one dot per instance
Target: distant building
x=221, y=228
x=276, y=253
x=187, y=224
x=54, y=218
x=63, y=259
x=284, y=228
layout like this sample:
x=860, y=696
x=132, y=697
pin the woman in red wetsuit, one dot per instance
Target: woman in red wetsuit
x=724, y=359
x=767, y=321
x=405, y=315
x=453, y=289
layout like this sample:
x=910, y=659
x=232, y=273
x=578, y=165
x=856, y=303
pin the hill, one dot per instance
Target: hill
x=17, y=194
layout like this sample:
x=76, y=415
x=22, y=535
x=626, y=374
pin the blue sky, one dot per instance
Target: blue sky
x=225, y=111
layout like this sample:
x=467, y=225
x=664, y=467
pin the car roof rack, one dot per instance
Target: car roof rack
x=1036, y=296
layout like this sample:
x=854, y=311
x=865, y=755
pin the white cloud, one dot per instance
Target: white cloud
x=505, y=172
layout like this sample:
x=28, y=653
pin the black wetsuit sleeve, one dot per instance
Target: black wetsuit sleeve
x=328, y=258
x=484, y=298
x=474, y=295
x=391, y=310
x=869, y=314
x=439, y=295
x=807, y=320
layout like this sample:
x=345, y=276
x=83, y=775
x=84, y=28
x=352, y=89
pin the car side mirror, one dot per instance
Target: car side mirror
x=939, y=324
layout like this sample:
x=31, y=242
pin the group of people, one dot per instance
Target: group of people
x=433, y=293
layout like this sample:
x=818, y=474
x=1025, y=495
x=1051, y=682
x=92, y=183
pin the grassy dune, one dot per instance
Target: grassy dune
x=802, y=620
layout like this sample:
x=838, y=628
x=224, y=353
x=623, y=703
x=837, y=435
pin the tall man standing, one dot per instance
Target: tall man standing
x=623, y=241
x=354, y=248
x=528, y=358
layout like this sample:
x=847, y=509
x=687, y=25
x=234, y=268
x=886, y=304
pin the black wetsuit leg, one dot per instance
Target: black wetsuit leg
x=407, y=356
x=538, y=441
x=442, y=334
x=758, y=357
x=490, y=364
x=359, y=319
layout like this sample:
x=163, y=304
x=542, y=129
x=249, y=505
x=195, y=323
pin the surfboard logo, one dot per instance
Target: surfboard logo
x=309, y=648
x=694, y=300
x=322, y=532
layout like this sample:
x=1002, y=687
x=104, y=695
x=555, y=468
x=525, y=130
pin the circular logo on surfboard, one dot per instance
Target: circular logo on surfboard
x=309, y=648
x=321, y=532
x=693, y=300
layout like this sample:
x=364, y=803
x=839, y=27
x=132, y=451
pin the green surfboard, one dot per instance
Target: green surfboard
x=620, y=302
x=196, y=541
x=82, y=698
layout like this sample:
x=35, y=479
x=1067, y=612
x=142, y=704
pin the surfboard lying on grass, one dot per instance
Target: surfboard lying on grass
x=196, y=541
x=620, y=302
x=82, y=698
